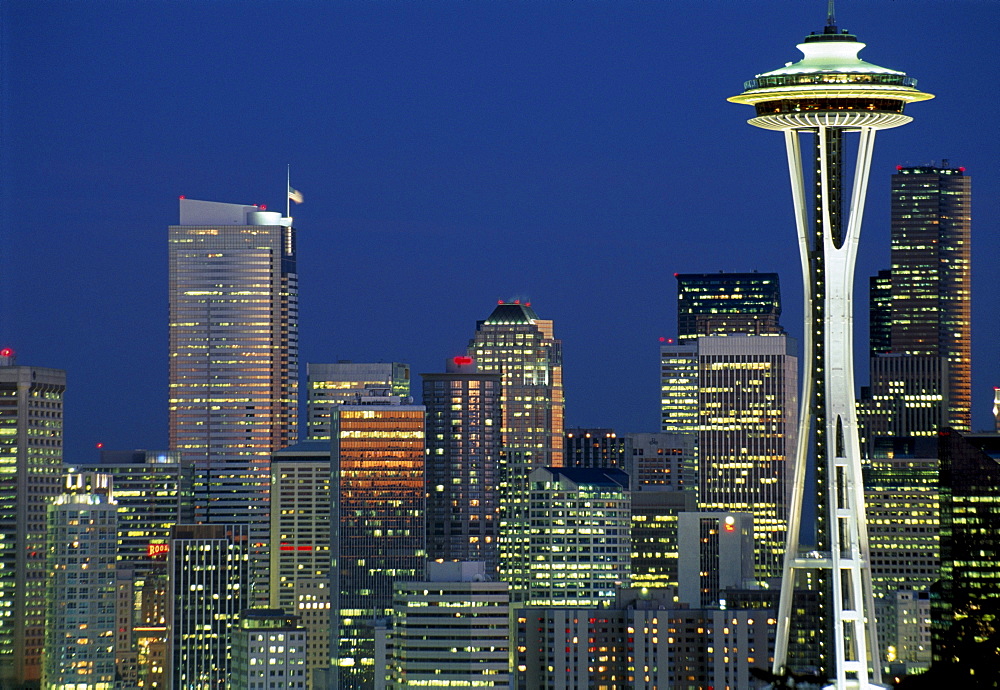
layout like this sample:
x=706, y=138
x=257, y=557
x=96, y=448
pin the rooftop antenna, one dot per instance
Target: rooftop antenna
x=831, y=18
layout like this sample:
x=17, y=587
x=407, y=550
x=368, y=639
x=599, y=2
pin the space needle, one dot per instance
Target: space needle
x=827, y=95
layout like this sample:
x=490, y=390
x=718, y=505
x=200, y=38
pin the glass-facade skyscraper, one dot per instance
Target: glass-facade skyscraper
x=721, y=303
x=233, y=354
x=341, y=382
x=31, y=449
x=522, y=348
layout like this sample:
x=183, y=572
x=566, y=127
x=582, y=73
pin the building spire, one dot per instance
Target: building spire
x=831, y=18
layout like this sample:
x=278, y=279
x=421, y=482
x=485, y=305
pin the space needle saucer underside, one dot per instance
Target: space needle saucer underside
x=845, y=119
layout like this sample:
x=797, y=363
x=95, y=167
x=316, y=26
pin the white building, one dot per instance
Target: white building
x=451, y=631
x=269, y=651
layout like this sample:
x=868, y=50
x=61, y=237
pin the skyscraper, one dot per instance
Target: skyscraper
x=519, y=346
x=233, y=354
x=208, y=568
x=341, y=382
x=747, y=407
x=825, y=95
x=679, y=387
x=931, y=275
x=31, y=444
x=600, y=448
x=376, y=525
x=463, y=464
x=721, y=303
x=716, y=553
x=81, y=597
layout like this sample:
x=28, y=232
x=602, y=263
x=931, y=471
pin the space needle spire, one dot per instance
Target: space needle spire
x=822, y=98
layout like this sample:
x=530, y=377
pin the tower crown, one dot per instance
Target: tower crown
x=830, y=86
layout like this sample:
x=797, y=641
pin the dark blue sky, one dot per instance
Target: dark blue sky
x=576, y=154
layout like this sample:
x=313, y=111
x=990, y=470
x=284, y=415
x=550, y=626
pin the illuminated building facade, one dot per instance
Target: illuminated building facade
x=931, y=275
x=209, y=568
x=679, y=387
x=716, y=552
x=377, y=525
x=341, y=382
x=723, y=303
x=233, y=355
x=463, y=463
x=826, y=95
x=150, y=627
x=31, y=445
x=269, y=651
x=300, y=544
x=747, y=412
x=967, y=605
x=655, y=548
x=907, y=397
x=81, y=593
x=451, y=630
x=598, y=448
x=662, y=462
x=516, y=344
x=579, y=546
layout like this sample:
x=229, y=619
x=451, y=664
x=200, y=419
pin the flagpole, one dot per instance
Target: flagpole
x=288, y=197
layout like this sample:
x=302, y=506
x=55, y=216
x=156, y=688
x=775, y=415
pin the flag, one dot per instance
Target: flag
x=294, y=194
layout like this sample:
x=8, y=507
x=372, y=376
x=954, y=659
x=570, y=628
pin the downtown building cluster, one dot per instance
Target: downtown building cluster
x=466, y=537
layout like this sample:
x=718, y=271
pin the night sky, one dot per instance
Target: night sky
x=574, y=154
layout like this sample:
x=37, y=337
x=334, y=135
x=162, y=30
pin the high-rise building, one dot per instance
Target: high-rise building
x=747, y=409
x=377, y=525
x=463, y=463
x=723, y=303
x=150, y=627
x=154, y=491
x=902, y=504
x=662, y=462
x=679, y=387
x=579, y=546
x=967, y=603
x=300, y=545
x=31, y=445
x=907, y=397
x=599, y=448
x=341, y=382
x=451, y=630
x=931, y=275
x=880, y=313
x=655, y=548
x=81, y=596
x=522, y=348
x=269, y=651
x=716, y=553
x=824, y=96
x=209, y=567
x=233, y=355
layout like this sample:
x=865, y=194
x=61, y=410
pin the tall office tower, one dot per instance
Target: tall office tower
x=300, y=545
x=931, y=275
x=516, y=344
x=716, y=553
x=654, y=536
x=432, y=646
x=342, y=382
x=967, y=605
x=880, y=313
x=126, y=651
x=747, y=411
x=81, y=596
x=269, y=651
x=376, y=525
x=723, y=303
x=662, y=462
x=902, y=503
x=154, y=491
x=598, y=448
x=907, y=396
x=233, y=356
x=463, y=463
x=150, y=627
x=208, y=566
x=679, y=387
x=826, y=95
x=31, y=439
x=579, y=547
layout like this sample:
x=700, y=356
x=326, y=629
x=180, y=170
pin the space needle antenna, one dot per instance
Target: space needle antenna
x=831, y=17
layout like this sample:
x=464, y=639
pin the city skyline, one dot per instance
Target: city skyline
x=543, y=135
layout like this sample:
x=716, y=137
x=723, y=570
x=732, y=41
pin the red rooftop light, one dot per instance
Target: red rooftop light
x=7, y=352
x=499, y=301
x=263, y=207
x=100, y=445
x=182, y=197
x=517, y=301
x=662, y=339
x=527, y=304
x=962, y=169
x=462, y=360
x=899, y=167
